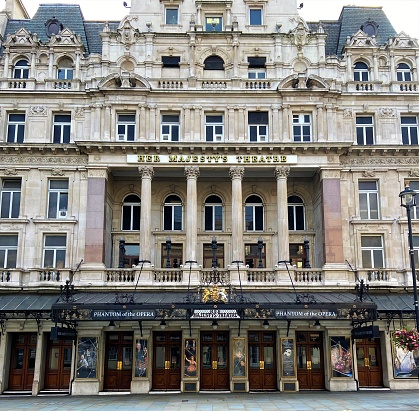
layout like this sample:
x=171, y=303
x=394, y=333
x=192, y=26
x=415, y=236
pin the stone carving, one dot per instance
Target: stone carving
x=368, y=173
x=360, y=39
x=413, y=173
x=386, y=112
x=79, y=112
x=281, y=172
x=236, y=172
x=38, y=111
x=146, y=171
x=379, y=161
x=348, y=113
x=10, y=172
x=192, y=172
x=57, y=172
x=22, y=37
x=299, y=34
x=9, y=159
x=127, y=35
x=66, y=37
x=97, y=173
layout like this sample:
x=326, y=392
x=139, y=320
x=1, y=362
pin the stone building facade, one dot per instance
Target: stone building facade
x=205, y=196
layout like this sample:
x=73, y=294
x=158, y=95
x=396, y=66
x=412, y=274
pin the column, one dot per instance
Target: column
x=6, y=67
x=281, y=174
x=320, y=123
x=191, y=173
x=142, y=121
x=230, y=132
x=236, y=175
x=276, y=124
x=107, y=123
x=94, y=253
x=50, y=64
x=285, y=123
x=147, y=174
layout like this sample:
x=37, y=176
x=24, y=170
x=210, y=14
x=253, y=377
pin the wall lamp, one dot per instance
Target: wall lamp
x=214, y=325
x=163, y=324
x=265, y=324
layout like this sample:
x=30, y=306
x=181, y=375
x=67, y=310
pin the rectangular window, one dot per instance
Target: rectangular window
x=125, y=128
x=10, y=198
x=65, y=73
x=301, y=127
x=258, y=126
x=170, y=127
x=416, y=250
x=54, y=251
x=16, y=128
x=372, y=251
x=256, y=67
x=172, y=16
x=208, y=253
x=368, y=200
x=255, y=17
x=61, y=128
x=213, y=217
x=214, y=23
x=214, y=127
x=57, y=198
x=8, y=251
x=170, y=61
x=414, y=185
x=365, y=130
x=409, y=130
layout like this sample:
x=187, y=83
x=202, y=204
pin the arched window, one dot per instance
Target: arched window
x=361, y=72
x=213, y=213
x=21, y=69
x=172, y=213
x=65, y=69
x=404, y=72
x=254, y=213
x=296, y=219
x=131, y=213
x=213, y=63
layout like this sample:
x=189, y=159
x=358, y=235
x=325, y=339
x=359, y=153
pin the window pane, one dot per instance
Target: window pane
x=299, y=211
x=249, y=217
x=259, y=218
x=52, y=206
x=208, y=218
x=255, y=17
x=171, y=16
x=218, y=210
x=126, y=217
x=167, y=218
x=371, y=241
x=136, y=217
x=55, y=240
x=378, y=258
x=178, y=217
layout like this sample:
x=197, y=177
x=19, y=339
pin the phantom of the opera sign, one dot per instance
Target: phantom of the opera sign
x=211, y=159
x=112, y=315
x=306, y=313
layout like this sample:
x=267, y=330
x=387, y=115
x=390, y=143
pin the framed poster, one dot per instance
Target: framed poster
x=86, y=357
x=341, y=356
x=405, y=363
x=239, y=357
x=141, y=358
x=190, y=365
x=288, y=357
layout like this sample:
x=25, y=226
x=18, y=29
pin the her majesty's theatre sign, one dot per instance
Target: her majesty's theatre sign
x=211, y=159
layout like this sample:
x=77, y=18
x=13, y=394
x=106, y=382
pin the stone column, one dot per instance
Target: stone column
x=229, y=133
x=192, y=173
x=281, y=174
x=6, y=68
x=285, y=123
x=147, y=174
x=236, y=175
x=320, y=124
x=107, y=123
x=276, y=124
x=142, y=122
x=94, y=252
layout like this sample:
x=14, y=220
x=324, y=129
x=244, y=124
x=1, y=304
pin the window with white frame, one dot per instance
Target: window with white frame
x=361, y=72
x=409, y=130
x=364, y=130
x=257, y=68
x=125, y=127
x=255, y=16
x=416, y=250
x=414, y=185
x=65, y=69
x=214, y=127
x=21, y=70
x=8, y=250
x=301, y=127
x=253, y=212
x=10, y=198
x=16, y=127
x=131, y=210
x=213, y=23
x=372, y=251
x=258, y=126
x=296, y=213
x=404, y=72
x=61, y=128
x=172, y=213
x=54, y=251
x=368, y=200
x=170, y=127
x=57, y=198
x=213, y=213
x=172, y=15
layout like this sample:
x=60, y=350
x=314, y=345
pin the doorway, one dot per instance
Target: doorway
x=262, y=364
x=58, y=364
x=118, y=362
x=22, y=364
x=166, y=361
x=310, y=361
x=368, y=354
x=214, y=355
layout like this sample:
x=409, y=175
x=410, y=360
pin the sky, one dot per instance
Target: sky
x=403, y=14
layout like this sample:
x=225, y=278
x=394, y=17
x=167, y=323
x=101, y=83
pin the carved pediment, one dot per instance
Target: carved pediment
x=402, y=40
x=360, y=39
x=65, y=37
x=299, y=34
x=124, y=80
x=21, y=37
x=127, y=34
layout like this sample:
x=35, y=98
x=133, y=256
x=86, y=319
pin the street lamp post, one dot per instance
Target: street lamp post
x=407, y=200
x=168, y=248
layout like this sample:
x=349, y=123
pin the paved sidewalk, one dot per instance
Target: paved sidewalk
x=302, y=401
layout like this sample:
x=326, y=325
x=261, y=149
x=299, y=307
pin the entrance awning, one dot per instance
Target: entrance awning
x=22, y=306
x=392, y=305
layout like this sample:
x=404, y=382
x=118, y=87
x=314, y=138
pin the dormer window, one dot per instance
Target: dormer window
x=53, y=27
x=370, y=28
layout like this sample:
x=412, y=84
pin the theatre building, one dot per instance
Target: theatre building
x=205, y=196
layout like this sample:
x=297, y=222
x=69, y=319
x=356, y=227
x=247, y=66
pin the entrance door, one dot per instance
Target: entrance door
x=166, y=361
x=22, y=362
x=262, y=364
x=214, y=355
x=368, y=356
x=118, y=363
x=58, y=365
x=310, y=369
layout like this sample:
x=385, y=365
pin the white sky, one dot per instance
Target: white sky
x=403, y=14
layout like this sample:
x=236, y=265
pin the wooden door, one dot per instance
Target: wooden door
x=167, y=361
x=58, y=364
x=368, y=356
x=310, y=361
x=262, y=364
x=214, y=360
x=22, y=364
x=118, y=361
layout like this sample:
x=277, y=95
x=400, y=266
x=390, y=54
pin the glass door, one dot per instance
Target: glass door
x=368, y=355
x=58, y=364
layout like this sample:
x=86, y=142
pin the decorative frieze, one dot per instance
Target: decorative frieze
x=38, y=111
x=387, y=112
x=380, y=161
x=41, y=160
